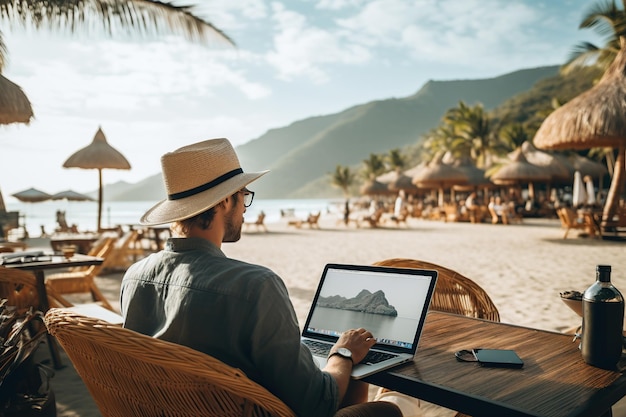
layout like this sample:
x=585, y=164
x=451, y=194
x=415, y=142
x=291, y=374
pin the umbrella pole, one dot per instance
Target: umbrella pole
x=99, y=198
x=617, y=183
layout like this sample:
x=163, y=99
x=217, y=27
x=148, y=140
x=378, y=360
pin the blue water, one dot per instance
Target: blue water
x=84, y=214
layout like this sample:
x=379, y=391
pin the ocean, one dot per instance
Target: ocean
x=84, y=214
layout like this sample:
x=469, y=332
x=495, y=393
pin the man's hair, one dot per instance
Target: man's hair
x=202, y=220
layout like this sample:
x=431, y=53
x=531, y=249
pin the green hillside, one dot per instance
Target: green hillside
x=306, y=151
x=301, y=155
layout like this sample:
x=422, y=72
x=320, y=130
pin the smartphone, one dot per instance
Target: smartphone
x=498, y=358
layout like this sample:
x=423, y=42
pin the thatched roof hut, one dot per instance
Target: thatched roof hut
x=595, y=118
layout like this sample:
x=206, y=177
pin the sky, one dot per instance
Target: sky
x=293, y=60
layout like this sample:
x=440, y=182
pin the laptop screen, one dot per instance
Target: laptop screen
x=390, y=302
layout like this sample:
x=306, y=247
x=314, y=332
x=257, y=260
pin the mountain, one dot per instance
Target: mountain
x=307, y=150
x=302, y=154
x=365, y=302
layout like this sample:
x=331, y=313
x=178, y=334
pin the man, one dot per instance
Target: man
x=190, y=293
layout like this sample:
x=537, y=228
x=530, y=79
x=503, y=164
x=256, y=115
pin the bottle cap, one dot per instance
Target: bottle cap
x=603, y=273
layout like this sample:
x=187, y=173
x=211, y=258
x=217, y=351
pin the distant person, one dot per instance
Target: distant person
x=190, y=293
x=498, y=210
x=472, y=207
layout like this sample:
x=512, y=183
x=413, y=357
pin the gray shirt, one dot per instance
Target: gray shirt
x=192, y=294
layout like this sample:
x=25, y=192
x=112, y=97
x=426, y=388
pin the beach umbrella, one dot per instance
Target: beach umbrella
x=591, y=192
x=14, y=105
x=98, y=155
x=476, y=177
x=14, y=108
x=397, y=181
x=558, y=169
x=437, y=175
x=32, y=195
x=588, y=166
x=374, y=187
x=592, y=119
x=518, y=171
x=70, y=195
x=579, y=192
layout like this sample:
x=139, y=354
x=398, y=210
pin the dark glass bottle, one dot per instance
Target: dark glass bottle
x=603, y=320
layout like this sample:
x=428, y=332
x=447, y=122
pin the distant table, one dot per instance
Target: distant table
x=83, y=243
x=13, y=245
x=38, y=268
x=555, y=381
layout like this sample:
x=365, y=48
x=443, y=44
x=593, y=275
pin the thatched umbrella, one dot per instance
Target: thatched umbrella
x=557, y=168
x=397, y=181
x=32, y=195
x=595, y=118
x=438, y=175
x=14, y=108
x=374, y=187
x=70, y=195
x=588, y=166
x=98, y=155
x=519, y=171
x=14, y=105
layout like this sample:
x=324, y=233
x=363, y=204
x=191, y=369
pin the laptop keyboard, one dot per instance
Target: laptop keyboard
x=322, y=349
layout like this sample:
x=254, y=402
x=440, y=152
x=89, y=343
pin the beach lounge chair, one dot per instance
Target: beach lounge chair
x=135, y=374
x=82, y=280
x=312, y=221
x=259, y=222
x=126, y=251
x=569, y=220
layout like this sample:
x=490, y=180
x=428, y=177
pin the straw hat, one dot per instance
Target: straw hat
x=197, y=177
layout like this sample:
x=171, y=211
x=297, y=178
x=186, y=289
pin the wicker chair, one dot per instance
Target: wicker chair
x=82, y=281
x=131, y=374
x=20, y=289
x=454, y=293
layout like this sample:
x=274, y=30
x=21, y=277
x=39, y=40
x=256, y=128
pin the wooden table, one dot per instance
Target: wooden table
x=83, y=243
x=38, y=267
x=555, y=381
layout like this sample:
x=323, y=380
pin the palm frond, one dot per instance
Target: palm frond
x=138, y=16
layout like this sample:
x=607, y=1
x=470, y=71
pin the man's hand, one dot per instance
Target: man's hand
x=359, y=341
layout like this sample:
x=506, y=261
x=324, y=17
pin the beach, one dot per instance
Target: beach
x=523, y=267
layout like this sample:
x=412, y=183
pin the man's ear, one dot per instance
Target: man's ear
x=222, y=204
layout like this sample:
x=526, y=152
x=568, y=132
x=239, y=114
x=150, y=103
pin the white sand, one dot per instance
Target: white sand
x=522, y=267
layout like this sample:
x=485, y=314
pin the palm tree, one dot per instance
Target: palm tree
x=344, y=178
x=475, y=127
x=609, y=21
x=396, y=159
x=374, y=166
x=112, y=16
x=514, y=135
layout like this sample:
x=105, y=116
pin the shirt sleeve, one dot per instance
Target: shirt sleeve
x=285, y=365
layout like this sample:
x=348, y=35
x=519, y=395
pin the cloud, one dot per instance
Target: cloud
x=303, y=50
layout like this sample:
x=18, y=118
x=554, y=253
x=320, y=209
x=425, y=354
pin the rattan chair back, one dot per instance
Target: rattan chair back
x=454, y=292
x=131, y=374
x=19, y=288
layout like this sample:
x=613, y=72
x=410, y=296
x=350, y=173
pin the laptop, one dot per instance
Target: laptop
x=390, y=302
